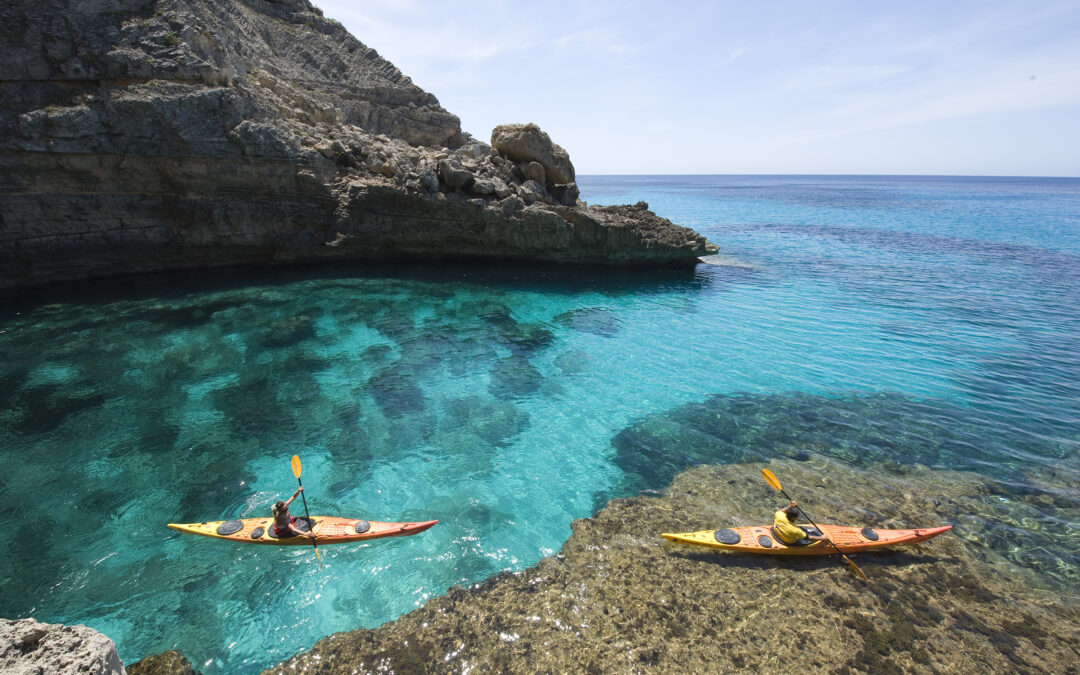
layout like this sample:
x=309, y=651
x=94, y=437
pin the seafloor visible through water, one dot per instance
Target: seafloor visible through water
x=872, y=321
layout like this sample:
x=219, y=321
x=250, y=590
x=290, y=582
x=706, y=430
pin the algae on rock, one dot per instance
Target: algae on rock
x=619, y=598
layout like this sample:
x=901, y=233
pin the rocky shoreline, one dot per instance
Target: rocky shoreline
x=176, y=134
x=619, y=599
x=29, y=647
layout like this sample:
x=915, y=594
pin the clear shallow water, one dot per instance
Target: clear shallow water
x=489, y=398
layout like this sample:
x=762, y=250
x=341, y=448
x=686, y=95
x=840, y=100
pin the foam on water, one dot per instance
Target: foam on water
x=489, y=397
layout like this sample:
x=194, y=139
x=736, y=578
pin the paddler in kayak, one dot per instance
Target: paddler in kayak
x=785, y=529
x=284, y=524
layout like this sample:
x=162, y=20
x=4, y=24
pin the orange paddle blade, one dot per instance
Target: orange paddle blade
x=296, y=465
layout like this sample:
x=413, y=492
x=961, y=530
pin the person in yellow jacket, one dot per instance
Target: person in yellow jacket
x=785, y=529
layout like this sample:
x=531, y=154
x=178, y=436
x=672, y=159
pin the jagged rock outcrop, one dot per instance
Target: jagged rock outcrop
x=28, y=647
x=161, y=134
x=526, y=143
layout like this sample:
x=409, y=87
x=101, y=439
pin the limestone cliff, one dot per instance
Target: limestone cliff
x=140, y=135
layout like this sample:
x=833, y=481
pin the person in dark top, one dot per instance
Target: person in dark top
x=285, y=524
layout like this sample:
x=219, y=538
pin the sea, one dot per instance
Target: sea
x=881, y=319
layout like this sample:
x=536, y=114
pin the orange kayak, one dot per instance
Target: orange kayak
x=328, y=530
x=760, y=539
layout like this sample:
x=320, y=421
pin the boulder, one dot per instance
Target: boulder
x=429, y=181
x=530, y=191
x=502, y=190
x=533, y=171
x=483, y=186
x=475, y=150
x=527, y=143
x=28, y=647
x=511, y=206
x=455, y=175
x=565, y=193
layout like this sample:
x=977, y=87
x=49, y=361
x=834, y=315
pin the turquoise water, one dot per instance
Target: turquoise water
x=508, y=401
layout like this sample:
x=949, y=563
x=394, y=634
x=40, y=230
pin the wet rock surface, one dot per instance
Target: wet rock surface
x=1021, y=505
x=175, y=134
x=28, y=647
x=171, y=662
x=618, y=598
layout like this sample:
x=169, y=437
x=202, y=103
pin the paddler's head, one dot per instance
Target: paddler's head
x=279, y=506
x=792, y=512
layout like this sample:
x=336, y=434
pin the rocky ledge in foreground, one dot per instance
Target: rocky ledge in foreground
x=165, y=134
x=28, y=647
x=620, y=599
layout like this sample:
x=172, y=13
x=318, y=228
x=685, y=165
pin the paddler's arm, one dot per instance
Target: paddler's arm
x=294, y=496
x=300, y=533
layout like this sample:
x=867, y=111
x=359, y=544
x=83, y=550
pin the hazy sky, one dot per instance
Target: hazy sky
x=951, y=87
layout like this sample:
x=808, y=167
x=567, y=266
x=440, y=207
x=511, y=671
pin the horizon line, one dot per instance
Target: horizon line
x=842, y=175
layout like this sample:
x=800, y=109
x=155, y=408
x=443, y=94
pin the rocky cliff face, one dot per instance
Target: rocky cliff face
x=155, y=134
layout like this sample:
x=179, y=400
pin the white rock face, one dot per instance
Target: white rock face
x=28, y=647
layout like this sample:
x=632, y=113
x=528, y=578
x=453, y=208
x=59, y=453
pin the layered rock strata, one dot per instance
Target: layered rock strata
x=618, y=598
x=28, y=647
x=162, y=134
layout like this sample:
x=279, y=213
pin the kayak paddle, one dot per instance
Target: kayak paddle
x=296, y=472
x=772, y=480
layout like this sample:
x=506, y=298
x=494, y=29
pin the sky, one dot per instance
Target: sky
x=958, y=87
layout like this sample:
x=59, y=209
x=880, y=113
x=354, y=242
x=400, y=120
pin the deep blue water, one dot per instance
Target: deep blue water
x=942, y=312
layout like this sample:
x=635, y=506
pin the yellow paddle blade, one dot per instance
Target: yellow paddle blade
x=769, y=478
x=849, y=561
x=296, y=465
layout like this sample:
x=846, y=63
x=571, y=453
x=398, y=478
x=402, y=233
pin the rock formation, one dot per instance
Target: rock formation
x=28, y=647
x=171, y=662
x=164, y=134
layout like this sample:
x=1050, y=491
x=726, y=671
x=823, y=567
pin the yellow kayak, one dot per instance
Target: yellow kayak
x=327, y=529
x=760, y=539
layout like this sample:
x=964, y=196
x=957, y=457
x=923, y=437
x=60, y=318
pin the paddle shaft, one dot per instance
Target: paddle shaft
x=308, y=517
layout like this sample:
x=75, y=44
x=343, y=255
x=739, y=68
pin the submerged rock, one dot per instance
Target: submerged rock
x=514, y=377
x=493, y=421
x=167, y=134
x=28, y=647
x=1018, y=512
x=618, y=598
x=595, y=320
x=171, y=662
